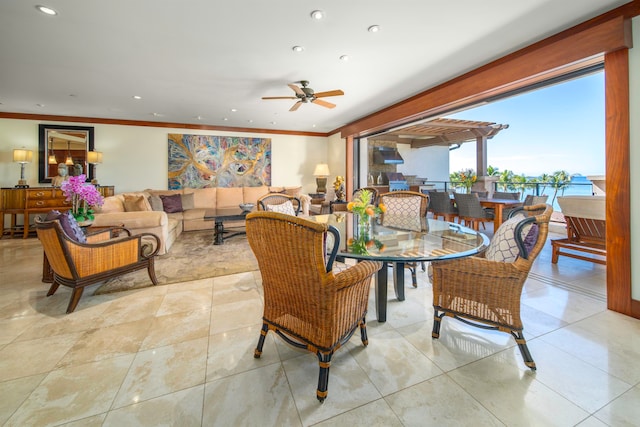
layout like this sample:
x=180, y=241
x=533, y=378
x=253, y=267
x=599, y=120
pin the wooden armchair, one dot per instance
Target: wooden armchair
x=586, y=229
x=279, y=202
x=305, y=303
x=485, y=291
x=103, y=256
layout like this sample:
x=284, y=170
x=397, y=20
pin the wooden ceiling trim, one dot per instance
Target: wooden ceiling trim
x=554, y=56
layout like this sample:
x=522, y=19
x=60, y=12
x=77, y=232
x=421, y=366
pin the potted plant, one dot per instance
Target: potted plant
x=83, y=197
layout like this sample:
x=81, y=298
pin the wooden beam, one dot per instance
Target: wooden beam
x=618, y=200
x=553, y=56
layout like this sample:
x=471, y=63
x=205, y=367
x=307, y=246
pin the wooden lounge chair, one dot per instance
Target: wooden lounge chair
x=305, y=302
x=586, y=229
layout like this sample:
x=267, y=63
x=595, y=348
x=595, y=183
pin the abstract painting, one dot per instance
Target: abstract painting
x=201, y=161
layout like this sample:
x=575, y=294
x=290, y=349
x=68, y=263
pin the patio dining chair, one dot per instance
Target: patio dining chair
x=471, y=211
x=506, y=195
x=342, y=207
x=305, y=302
x=485, y=291
x=441, y=206
x=406, y=203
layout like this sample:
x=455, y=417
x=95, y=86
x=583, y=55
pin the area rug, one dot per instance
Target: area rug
x=193, y=256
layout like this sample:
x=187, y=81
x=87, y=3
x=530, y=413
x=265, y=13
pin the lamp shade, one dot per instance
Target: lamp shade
x=21, y=155
x=322, y=169
x=94, y=157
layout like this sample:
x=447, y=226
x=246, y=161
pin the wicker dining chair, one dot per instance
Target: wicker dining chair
x=406, y=203
x=440, y=205
x=485, y=291
x=342, y=207
x=279, y=202
x=106, y=253
x=471, y=211
x=305, y=302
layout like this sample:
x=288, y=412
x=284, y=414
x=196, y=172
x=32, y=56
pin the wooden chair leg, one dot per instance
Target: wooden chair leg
x=53, y=288
x=152, y=272
x=75, y=298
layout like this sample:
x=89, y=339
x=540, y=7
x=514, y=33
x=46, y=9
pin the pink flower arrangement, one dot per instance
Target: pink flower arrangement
x=83, y=197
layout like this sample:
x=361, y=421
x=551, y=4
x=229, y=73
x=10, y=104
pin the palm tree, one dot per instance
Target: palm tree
x=544, y=179
x=559, y=181
x=492, y=171
x=505, y=179
x=520, y=182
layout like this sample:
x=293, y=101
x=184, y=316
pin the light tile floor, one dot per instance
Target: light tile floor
x=182, y=355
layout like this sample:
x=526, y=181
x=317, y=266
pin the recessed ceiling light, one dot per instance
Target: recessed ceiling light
x=344, y=58
x=273, y=123
x=233, y=110
x=157, y=114
x=313, y=126
x=136, y=97
x=40, y=105
x=373, y=29
x=317, y=14
x=225, y=119
x=46, y=10
x=250, y=121
x=297, y=48
x=199, y=117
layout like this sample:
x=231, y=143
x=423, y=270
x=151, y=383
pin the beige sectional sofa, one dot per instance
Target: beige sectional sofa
x=142, y=212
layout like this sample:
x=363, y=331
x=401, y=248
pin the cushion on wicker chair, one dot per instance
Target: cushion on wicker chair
x=285, y=208
x=407, y=206
x=503, y=246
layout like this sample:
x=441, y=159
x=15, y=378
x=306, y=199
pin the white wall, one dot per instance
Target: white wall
x=634, y=111
x=136, y=157
x=429, y=162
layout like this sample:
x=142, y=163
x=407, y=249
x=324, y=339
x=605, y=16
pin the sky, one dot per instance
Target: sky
x=560, y=127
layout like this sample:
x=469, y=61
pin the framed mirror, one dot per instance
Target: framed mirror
x=66, y=145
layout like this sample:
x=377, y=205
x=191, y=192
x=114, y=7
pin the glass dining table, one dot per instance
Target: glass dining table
x=399, y=239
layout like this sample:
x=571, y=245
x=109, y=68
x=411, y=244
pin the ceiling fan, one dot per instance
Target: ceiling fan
x=305, y=94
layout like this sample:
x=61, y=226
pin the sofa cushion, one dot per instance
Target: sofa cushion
x=156, y=203
x=135, y=203
x=111, y=204
x=229, y=197
x=252, y=194
x=172, y=203
x=204, y=198
x=187, y=201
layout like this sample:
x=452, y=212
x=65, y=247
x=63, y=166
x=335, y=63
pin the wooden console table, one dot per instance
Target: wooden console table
x=25, y=201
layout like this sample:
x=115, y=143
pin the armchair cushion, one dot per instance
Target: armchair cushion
x=503, y=246
x=285, y=208
x=68, y=224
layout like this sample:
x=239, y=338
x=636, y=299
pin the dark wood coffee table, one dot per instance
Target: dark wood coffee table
x=219, y=216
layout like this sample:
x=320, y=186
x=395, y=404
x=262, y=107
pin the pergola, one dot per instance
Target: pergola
x=447, y=132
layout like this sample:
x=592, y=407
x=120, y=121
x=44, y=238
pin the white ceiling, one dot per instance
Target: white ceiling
x=201, y=58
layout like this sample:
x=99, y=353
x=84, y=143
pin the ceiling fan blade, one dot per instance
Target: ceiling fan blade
x=296, y=89
x=296, y=106
x=336, y=92
x=279, y=97
x=323, y=103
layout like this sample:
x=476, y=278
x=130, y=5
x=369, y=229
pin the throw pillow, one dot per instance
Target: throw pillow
x=187, y=201
x=531, y=239
x=503, y=245
x=172, y=203
x=134, y=203
x=156, y=203
x=285, y=208
x=69, y=225
x=407, y=206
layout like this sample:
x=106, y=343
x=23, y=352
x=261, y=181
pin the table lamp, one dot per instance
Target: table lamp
x=22, y=156
x=321, y=173
x=94, y=158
